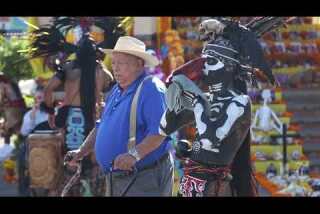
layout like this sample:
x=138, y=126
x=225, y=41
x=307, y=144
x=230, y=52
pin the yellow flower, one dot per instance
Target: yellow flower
x=9, y=164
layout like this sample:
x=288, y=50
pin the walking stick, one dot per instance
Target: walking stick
x=72, y=181
x=135, y=175
x=124, y=192
x=111, y=188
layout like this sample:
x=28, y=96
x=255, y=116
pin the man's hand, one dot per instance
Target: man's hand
x=73, y=157
x=124, y=162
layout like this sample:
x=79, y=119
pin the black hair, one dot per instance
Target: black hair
x=86, y=60
x=243, y=182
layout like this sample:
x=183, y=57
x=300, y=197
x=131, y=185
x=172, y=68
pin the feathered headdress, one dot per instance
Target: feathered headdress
x=85, y=52
x=50, y=40
x=244, y=39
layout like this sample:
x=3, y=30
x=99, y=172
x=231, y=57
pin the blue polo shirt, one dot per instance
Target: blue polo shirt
x=113, y=129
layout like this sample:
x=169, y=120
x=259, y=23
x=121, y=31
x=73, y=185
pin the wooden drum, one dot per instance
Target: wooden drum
x=45, y=159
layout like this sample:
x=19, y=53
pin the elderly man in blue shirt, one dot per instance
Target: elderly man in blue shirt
x=110, y=138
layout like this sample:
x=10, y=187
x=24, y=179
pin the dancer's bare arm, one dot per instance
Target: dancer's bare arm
x=48, y=91
x=85, y=149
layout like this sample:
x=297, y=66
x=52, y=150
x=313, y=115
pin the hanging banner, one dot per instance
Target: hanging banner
x=11, y=25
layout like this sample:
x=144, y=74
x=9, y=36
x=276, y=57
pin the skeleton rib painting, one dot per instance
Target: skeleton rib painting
x=210, y=92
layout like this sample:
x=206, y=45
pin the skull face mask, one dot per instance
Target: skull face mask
x=209, y=29
x=220, y=66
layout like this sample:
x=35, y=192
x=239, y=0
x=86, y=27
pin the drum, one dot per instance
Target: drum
x=45, y=159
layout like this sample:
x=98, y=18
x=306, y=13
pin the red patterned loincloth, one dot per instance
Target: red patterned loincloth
x=191, y=186
x=197, y=176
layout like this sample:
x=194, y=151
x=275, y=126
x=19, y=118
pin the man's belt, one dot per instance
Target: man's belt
x=120, y=174
x=155, y=164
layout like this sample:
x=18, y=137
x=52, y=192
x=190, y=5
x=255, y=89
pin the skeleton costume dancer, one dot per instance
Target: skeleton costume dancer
x=210, y=92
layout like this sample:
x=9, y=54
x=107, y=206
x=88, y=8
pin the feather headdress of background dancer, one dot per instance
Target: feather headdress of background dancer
x=210, y=91
x=50, y=43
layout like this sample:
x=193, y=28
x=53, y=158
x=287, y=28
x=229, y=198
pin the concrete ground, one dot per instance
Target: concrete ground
x=11, y=190
x=6, y=190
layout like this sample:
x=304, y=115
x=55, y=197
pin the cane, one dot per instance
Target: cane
x=72, y=181
x=74, y=178
x=135, y=175
x=110, y=180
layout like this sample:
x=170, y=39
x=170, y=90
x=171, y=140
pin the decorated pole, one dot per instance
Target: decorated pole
x=285, y=158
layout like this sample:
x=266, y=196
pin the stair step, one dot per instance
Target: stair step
x=311, y=147
x=314, y=161
x=312, y=140
x=308, y=95
x=310, y=133
x=299, y=106
x=304, y=120
x=306, y=117
x=304, y=103
x=310, y=126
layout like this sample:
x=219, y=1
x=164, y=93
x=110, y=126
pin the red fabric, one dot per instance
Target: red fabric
x=191, y=186
x=192, y=69
x=16, y=104
x=194, y=167
x=4, y=79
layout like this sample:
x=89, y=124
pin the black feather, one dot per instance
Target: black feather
x=50, y=40
x=112, y=30
x=262, y=25
x=64, y=24
x=245, y=39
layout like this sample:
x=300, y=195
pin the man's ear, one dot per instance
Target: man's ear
x=141, y=62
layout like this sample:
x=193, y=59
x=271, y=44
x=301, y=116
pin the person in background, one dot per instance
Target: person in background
x=34, y=119
x=83, y=78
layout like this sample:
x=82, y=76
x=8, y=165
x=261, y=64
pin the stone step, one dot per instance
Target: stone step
x=311, y=147
x=302, y=95
x=312, y=140
x=306, y=117
x=304, y=103
x=310, y=133
x=314, y=161
x=300, y=106
x=310, y=128
x=314, y=126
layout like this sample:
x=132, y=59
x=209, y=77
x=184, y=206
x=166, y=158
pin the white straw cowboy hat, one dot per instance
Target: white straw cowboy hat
x=133, y=46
